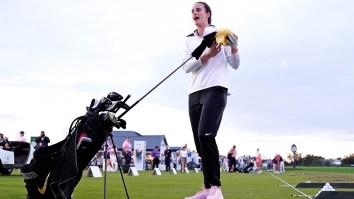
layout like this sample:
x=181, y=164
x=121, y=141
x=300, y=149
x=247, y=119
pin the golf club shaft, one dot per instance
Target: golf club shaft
x=105, y=168
x=120, y=170
x=127, y=110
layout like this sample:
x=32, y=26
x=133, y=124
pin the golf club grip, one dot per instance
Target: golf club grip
x=126, y=99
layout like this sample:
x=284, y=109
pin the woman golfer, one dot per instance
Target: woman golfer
x=208, y=91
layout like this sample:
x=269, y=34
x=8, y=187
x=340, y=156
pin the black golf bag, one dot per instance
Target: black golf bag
x=54, y=171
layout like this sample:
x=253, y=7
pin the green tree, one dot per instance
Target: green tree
x=312, y=160
x=297, y=158
x=348, y=160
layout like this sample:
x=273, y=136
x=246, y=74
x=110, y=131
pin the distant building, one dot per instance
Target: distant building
x=151, y=140
x=336, y=162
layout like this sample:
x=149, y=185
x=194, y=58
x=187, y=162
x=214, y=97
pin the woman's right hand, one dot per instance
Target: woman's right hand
x=214, y=49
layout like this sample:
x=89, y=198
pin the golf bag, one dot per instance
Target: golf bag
x=54, y=171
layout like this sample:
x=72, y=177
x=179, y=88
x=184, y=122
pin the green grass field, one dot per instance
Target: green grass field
x=170, y=186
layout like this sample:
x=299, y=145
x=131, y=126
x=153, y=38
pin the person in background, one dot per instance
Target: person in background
x=42, y=140
x=127, y=154
x=259, y=161
x=208, y=91
x=167, y=155
x=21, y=137
x=184, y=156
x=231, y=156
x=4, y=143
x=107, y=155
x=281, y=165
x=276, y=162
x=175, y=160
x=269, y=165
x=2, y=140
x=224, y=163
x=113, y=158
x=156, y=159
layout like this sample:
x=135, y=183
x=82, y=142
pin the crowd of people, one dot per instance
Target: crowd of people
x=251, y=164
x=230, y=162
x=183, y=159
x=41, y=141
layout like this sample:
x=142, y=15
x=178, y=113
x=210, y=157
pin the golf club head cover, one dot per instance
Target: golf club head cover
x=207, y=42
x=226, y=37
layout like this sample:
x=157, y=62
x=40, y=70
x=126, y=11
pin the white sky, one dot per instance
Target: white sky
x=295, y=83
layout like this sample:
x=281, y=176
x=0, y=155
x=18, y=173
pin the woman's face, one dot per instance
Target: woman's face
x=199, y=16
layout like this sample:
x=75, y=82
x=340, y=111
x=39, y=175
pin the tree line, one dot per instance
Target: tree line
x=313, y=160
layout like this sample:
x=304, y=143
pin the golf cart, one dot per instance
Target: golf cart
x=15, y=156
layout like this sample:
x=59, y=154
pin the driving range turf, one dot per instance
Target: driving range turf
x=170, y=186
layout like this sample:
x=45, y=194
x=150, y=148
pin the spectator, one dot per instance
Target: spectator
x=259, y=161
x=231, y=156
x=127, y=154
x=7, y=147
x=2, y=140
x=114, y=161
x=107, y=156
x=167, y=154
x=4, y=143
x=269, y=165
x=281, y=165
x=276, y=162
x=21, y=137
x=176, y=159
x=184, y=155
x=249, y=167
x=155, y=155
x=224, y=163
x=42, y=140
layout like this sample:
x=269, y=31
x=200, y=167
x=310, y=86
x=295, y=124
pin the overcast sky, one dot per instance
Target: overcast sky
x=295, y=84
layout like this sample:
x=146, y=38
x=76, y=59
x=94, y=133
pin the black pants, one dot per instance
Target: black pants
x=127, y=159
x=206, y=108
x=155, y=163
x=232, y=162
x=168, y=164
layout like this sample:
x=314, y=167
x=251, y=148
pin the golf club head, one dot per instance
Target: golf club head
x=105, y=102
x=94, y=104
x=122, y=123
x=113, y=96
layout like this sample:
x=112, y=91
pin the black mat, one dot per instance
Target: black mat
x=335, y=185
x=336, y=195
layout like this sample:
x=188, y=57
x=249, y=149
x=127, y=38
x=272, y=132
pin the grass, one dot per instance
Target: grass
x=169, y=186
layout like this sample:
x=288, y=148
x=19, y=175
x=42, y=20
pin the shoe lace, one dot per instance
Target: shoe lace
x=204, y=190
x=213, y=190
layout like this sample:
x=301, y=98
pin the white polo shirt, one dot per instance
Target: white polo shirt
x=215, y=71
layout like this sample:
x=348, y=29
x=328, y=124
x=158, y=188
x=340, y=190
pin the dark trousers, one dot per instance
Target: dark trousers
x=232, y=162
x=206, y=108
x=168, y=164
x=155, y=163
x=127, y=159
